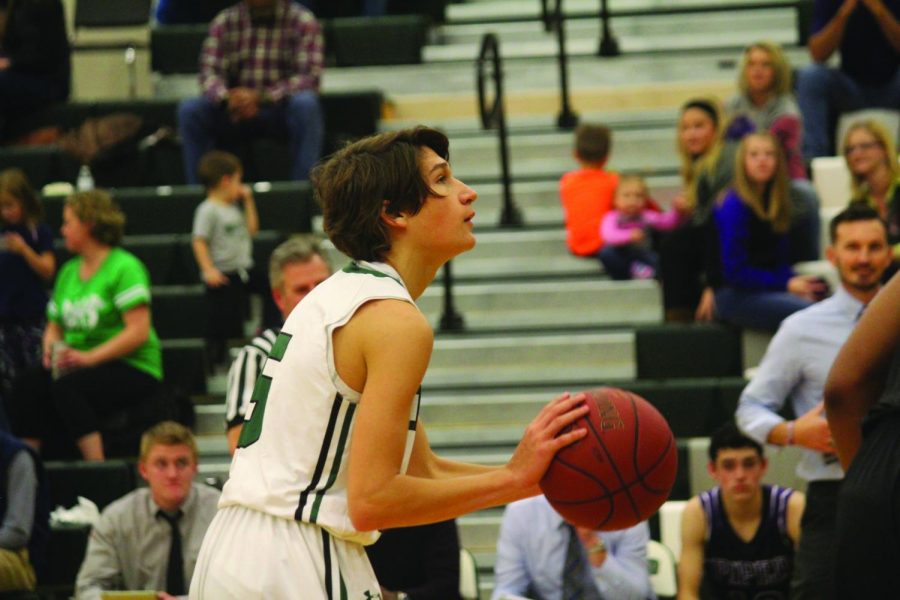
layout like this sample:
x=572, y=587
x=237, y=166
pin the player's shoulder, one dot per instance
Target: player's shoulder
x=693, y=518
x=395, y=317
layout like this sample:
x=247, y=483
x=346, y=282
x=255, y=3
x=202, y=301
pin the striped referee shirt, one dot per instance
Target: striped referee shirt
x=243, y=374
x=280, y=56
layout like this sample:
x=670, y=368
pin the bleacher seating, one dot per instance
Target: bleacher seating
x=348, y=115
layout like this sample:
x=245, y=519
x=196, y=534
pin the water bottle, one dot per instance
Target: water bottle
x=85, y=180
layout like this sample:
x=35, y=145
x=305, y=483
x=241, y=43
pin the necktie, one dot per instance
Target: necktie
x=175, y=568
x=576, y=585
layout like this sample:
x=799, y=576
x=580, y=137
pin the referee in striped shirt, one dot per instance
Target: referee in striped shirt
x=295, y=268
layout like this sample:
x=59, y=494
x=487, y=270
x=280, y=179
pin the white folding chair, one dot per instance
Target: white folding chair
x=661, y=563
x=468, y=576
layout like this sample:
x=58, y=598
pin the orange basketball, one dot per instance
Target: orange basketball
x=621, y=472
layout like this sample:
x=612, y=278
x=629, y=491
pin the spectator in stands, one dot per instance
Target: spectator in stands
x=627, y=229
x=738, y=539
x=24, y=515
x=587, y=192
x=689, y=265
x=875, y=174
x=35, y=66
x=765, y=101
x=536, y=547
x=419, y=562
x=223, y=249
x=795, y=367
x=259, y=70
x=99, y=339
x=867, y=34
x=759, y=287
x=295, y=268
x=861, y=403
x=149, y=539
x=26, y=265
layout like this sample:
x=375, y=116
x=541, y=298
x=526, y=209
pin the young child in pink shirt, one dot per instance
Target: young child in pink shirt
x=628, y=252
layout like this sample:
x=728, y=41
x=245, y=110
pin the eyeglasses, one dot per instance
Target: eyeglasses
x=850, y=149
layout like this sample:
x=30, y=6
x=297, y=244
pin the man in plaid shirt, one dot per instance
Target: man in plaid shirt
x=259, y=70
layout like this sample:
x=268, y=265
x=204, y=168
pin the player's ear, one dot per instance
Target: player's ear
x=711, y=469
x=830, y=254
x=392, y=220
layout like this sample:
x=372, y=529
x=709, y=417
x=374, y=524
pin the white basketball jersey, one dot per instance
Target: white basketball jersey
x=292, y=455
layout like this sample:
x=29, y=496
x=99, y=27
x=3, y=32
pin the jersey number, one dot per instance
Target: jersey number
x=253, y=422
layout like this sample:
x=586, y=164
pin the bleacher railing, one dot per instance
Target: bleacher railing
x=555, y=20
x=493, y=116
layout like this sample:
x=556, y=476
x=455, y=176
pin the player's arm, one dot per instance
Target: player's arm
x=857, y=376
x=423, y=462
x=211, y=275
x=394, y=342
x=795, y=507
x=690, y=565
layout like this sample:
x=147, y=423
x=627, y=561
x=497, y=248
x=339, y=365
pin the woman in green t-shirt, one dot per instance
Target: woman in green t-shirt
x=101, y=354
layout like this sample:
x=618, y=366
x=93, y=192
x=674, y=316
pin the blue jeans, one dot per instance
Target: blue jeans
x=204, y=124
x=756, y=309
x=824, y=93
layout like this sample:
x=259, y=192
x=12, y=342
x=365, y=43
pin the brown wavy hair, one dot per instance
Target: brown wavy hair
x=380, y=172
x=97, y=208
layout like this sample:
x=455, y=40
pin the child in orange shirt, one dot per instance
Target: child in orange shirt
x=587, y=192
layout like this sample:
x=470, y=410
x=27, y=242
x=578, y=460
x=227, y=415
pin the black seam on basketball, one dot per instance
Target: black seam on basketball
x=653, y=466
x=587, y=474
x=615, y=467
x=641, y=473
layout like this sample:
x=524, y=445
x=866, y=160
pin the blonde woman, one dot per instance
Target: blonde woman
x=758, y=286
x=99, y=341
x=706, y=168
x=872, y=160
x=765, y=102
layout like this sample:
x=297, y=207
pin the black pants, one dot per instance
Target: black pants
x=689, y=259
x=813, y=577
x=227, y=310
x=76, y=403
x=867, y=544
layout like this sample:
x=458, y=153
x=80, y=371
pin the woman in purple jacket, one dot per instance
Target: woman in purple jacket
x=759, y=287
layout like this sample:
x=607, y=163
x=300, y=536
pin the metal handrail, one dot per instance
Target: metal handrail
x=609, y=45
x=494, y=117
x=556, y=21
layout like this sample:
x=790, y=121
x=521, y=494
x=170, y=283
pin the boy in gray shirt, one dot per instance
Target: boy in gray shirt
x=223, y=248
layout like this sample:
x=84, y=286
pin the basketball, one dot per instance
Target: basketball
x=621, y=472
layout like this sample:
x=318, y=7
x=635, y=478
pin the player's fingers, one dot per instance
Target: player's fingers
x=558, y=405
x=561, y=421
x=569, y=437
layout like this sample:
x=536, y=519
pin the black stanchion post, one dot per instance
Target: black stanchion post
x=494, y=117
x=608, y=44
x=567, y=118
x=451, y=320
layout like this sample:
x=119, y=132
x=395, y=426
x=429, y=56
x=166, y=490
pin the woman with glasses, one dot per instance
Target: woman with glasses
x=872, y=160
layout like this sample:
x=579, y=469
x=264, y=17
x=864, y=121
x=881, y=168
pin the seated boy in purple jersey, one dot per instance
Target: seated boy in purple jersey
x=738, y=539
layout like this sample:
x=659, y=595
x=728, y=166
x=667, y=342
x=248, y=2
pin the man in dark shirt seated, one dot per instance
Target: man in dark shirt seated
x=419, y=563
x=867, y=34
x=35, y=66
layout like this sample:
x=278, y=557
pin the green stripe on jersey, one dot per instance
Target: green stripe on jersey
x=253, y=425
x=336, y=466
x=280, y=346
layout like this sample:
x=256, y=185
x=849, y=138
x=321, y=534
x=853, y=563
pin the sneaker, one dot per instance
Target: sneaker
x=641, y=270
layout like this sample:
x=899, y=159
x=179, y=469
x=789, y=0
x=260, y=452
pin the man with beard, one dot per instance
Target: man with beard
x=795, y=367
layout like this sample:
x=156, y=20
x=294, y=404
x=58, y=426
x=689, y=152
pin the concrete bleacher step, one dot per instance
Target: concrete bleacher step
x=546, y=359
x=548, y=304
x=549, y=154
x=634, y=34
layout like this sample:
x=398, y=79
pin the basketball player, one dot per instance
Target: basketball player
x=862, y=401
x=331, y=449
x=738, y=539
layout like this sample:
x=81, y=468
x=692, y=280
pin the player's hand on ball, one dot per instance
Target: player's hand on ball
x=540, y=443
